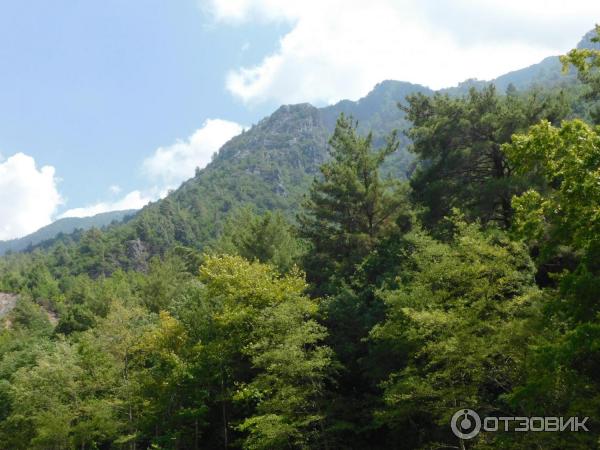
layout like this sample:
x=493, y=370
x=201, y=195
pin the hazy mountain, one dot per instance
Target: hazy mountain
x=64, y=226
x=546, y=73
x=586, y=41
x=272, y=164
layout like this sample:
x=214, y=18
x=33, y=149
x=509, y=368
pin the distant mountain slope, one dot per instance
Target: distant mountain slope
x=65, y=226
x=546, y=73
x=271, y=166
x=378, y=113
x=586, y=41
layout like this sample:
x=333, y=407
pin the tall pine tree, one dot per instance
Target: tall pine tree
x=350, y=219
x=348, y=208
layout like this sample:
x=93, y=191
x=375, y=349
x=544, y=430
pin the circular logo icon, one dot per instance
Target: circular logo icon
x=465, y=423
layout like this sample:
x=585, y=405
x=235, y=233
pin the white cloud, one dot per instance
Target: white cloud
x=173, y=164
x=28, y=196
x=238, y=11
x=341, y=48
x=133, y=200
x=167, y=168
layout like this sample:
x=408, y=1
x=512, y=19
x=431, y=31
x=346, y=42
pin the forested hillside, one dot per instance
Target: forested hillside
x=270, y=166
x=340, y=278
x=63, y=226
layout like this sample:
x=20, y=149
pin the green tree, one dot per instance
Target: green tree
x=268, y=238
x=58, y=404
x=258, y=352
x=458, y=145
x=353, y=221
x=462, y=316
x=587, y=63
x=40, y=283
x=293, y=366
x=173, y=401
x=563, y=376
x=349, y=208
x=108, y=355
x=165, y=279
x=568, y=159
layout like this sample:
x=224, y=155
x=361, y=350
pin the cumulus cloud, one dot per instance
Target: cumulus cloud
x=342, y=48
x=167, y=168
x=133, y=200
x=28, y=196
x=173, y=164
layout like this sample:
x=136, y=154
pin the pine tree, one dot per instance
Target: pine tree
x=458, y=143
x=348, y=208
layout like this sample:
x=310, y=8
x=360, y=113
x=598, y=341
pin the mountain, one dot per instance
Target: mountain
x=547, y=73
x=63, y=226
x=586, y=41
x=269, y=166
x=272, y=165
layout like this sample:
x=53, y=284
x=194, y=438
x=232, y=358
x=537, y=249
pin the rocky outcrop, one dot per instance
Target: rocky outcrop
x=7, y=303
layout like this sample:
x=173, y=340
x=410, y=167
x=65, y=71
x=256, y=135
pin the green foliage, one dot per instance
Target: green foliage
x=293, y=365
x=163, y=282
x=462, y=313
x=586, y=61
x=192, y=325
x=29, y=317
x=72, y=395
x=238, y=360
x=258, y=336
x=349, y=208
x=568, y=159
x=350, y=220
x=458, y=143
x=268, y=239
x=562, y=375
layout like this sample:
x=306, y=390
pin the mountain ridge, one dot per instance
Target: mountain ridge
x=65, y=225
x=272, y=164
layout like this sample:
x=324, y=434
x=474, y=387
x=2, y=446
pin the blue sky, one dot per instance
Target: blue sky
x=107, y=104
x=92, y=88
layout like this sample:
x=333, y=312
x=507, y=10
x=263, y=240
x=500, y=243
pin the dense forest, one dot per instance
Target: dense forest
x=442, y=254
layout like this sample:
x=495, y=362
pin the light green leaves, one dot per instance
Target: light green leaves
x=567, y=211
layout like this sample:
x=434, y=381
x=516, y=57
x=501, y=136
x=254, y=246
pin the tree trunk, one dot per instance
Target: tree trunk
x=224, y=412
